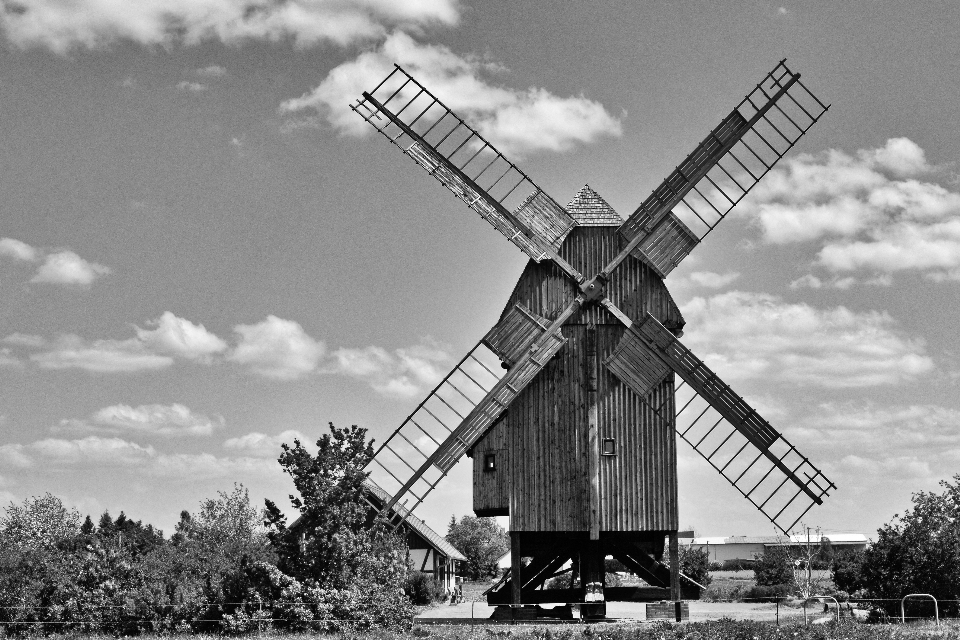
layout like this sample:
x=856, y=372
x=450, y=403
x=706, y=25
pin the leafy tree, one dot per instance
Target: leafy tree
x=919, y=552
x=482, y=541
x=846, y=569
x=695, y=563
x=774, y=566
x=339, y=551
x=38, y=523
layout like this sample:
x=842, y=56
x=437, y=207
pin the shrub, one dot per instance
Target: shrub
x=422, y=589
x=846, y=569
x=717, y=566
x=774, y=567
x=769, y=593
x=737, y=564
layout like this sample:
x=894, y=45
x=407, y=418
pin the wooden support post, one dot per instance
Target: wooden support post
x=515, y=584
x=675, y=572
x=593, y=436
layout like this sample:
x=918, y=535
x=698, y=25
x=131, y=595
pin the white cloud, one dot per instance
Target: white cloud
x=155, y=348
x=191, y=87
x=147, y=419
x=870, y=212
x=276, y=348
x=66, y=267
x=7, y=359
x=212, y=71
x=17, y=250
x=99, y=356
x=262, y=444
x=758, y=336
x=64, y=26
x=115, y=453
x=405, y=373
x=711, y=280
x=517, y=122
x=179, y=337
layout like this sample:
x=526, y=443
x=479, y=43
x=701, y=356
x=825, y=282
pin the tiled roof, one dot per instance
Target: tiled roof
x=590, y=210
x=439, y=542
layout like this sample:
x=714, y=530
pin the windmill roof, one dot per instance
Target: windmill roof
x=590, y=210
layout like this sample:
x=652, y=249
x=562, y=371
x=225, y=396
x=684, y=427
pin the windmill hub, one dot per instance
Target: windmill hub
x=594, y=290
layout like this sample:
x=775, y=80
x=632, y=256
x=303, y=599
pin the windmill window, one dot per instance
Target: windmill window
x=608, y=447
x=489, y=462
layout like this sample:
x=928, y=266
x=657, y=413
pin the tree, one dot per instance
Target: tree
x=340, y=551
x=846, y=569
x=919, y=552
x=694, y=563
x=38, y=523
x=482, y=541
x=774, y=567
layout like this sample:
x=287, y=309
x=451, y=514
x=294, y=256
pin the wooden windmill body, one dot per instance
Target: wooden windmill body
x=571, y=405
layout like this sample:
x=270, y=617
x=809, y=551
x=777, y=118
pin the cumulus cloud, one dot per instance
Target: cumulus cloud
x=211, y=71
x=17, y=250
x=191, y=87
x=66, y=267
x=518, y=122
x=872, y=212
x=404, y=373
x=7, y=359
x=262, y=444
x=154, y=348
x=65, y=26
x=706, y=279
x=116, y=453
x=758, y=336
x=147, y=419
x=70, y=351
x=179, y=337
x=276, y=348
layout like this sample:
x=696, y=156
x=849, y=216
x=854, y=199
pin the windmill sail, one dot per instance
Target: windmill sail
x=729, y=434
x=461, y=159
x=722, y=169
x=423, y=449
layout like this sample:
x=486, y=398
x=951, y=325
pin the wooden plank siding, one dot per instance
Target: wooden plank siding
x=491, y=489
x=635, y=288
x=545, y=428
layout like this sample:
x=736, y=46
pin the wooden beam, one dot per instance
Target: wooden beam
x=593, y=433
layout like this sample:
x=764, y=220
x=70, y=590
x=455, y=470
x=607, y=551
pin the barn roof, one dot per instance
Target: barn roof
x=590, y=210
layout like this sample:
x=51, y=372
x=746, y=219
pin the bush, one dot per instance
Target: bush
x=422, y=589
x=846, y=569
x=737, y=564
x=717, y=566
x=769, y=593
x=774, y=567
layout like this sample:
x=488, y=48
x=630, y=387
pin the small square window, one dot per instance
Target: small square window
x=489, y=462
x=608, y=447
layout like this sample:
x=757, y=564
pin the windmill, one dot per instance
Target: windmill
x=570, y=406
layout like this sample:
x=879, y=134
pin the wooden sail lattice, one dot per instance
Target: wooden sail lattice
x=461, y=159
x=726, y=431
x=722, y=169
x=459, y=410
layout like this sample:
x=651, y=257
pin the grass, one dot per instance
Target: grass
x=712, y=630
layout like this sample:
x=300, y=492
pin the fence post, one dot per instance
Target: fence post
x=936, y=608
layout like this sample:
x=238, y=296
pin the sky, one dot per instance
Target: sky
x=204, y=253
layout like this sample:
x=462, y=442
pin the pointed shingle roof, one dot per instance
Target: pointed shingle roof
x=590, y=210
